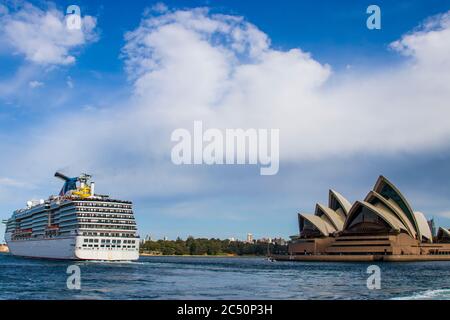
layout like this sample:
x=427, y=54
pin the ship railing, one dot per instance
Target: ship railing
x=23, y=231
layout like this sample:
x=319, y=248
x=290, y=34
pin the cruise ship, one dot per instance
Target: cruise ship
x=77, y=224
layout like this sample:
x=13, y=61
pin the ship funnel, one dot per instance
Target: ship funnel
x=92, y=189
x=69, y=184
x=61, y=176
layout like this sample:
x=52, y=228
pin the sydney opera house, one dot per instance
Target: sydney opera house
x=383, y=226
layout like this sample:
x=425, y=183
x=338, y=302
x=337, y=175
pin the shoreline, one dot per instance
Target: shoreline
x=200, y=255
x=361, y=258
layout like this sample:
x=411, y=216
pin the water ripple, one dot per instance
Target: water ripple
x=220, y=278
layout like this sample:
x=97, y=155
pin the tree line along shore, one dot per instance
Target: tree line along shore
x=209, y=247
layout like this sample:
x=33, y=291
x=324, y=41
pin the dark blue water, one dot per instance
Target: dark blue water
x=220, y=278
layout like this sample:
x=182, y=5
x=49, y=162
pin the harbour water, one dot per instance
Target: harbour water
x=220, y=278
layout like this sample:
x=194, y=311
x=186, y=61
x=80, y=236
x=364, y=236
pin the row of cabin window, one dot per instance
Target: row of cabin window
x=106, y=234
x=103, y=210
x=94, y=204
x=109, y=241
x=108, y=246
x=98, y=226
x=108, y=221
x=119, y=216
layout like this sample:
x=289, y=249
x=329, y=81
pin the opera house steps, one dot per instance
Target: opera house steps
x=394, y=244
x=361, y=258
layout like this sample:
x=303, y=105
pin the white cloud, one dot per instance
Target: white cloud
x=42, y=36
x=160, y=7
x=69, y=82
x=11, y=86
x=428, y=44
x=192, y=65
x=444, y=214
x=35, y=84
x=8, y=182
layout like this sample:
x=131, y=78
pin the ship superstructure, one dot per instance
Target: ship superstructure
x=77, y=224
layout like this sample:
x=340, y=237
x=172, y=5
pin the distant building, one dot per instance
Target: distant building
x=146, y=238
x=249, y=237
x=279, y=241
x=232, y=239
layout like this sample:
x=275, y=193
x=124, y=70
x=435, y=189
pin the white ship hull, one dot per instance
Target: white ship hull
x=68, y=248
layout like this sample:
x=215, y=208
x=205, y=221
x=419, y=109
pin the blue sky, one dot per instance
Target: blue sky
x=362, y=103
